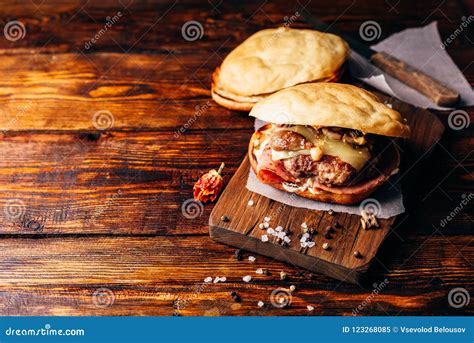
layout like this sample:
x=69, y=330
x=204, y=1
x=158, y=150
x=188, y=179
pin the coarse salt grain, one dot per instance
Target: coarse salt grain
x=250, y=203
x=260, y=304
x=310, y=308
x=292, y=288
x=281, y=234
x=266, y=225
x=259, y=271
x=279, y=228
x=311, y=244
x=266, y=219
x=223, y=279
x=304, y=244
x=208, y=279
x=270, y=231
x=287, y=239
x=247, y=278
x=304, y=226
x=252, y=258
x=264, y=238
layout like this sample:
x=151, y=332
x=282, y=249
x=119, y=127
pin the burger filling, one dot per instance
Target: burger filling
x=305, y=155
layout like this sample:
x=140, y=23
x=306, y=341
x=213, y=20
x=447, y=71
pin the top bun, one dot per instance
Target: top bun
x=273, y=59
x=331, y=104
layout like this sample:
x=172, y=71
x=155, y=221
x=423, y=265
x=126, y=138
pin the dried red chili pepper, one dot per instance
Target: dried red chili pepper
x=208, y=187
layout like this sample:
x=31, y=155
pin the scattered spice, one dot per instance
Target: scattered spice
x=238, y=255
x=283, y=275
x=325, y=246
x=208, y=187
x=251, y=202
x=368, y=220
x=261, y=226
x=292, y=288
x=225, y=219
x=331, y=212
x=357, y=254
x=260, y=304
x=235, y=296
x=252, y=258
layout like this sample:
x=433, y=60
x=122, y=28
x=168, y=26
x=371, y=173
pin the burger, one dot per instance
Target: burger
x=326, y=141
x=273, y=59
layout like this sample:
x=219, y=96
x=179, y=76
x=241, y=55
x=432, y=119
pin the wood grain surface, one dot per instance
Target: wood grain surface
x=101, y=146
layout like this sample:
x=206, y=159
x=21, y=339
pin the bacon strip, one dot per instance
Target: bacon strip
x=269, y=171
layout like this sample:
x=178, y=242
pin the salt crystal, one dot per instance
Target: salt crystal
x=310, y=308
x=208, y=279
x=266, y=219
x=292, y=288
x=279, y=228
x=270, y=231
x=304, y=244
x=252, y=258
x=304, y=226
x=247, y=278
x=311, y=244
x=259, y=271
x=264, y=238
x=217, y=279
x=287, y=239
x=306, y=235
x=266, y=225
x=260, y=304
x=223, y=279
x=281, y=234
x=250, y=203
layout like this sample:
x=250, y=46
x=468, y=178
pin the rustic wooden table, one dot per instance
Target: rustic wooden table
x=95, y=167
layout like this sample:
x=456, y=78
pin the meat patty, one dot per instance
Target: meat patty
x=289, y=140
x=330, y=170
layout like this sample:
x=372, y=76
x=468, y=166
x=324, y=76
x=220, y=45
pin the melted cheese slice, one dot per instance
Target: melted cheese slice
x=357, y=157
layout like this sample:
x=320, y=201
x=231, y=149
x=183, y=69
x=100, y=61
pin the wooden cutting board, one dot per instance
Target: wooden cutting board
x=339, y=261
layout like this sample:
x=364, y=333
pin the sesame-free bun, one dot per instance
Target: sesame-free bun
x=331, y=104
x=274, y=59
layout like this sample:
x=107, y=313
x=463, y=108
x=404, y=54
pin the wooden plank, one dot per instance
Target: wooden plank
x=162, y=275
x=110, y=92
x=116, y=183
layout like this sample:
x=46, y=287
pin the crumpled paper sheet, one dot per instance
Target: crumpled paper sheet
x=385, y=202
x=423, y=49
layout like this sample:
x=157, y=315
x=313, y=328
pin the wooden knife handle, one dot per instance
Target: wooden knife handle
x=439, y=93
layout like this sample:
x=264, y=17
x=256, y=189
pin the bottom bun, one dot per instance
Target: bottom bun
x=246, y=103
x=336, y=198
